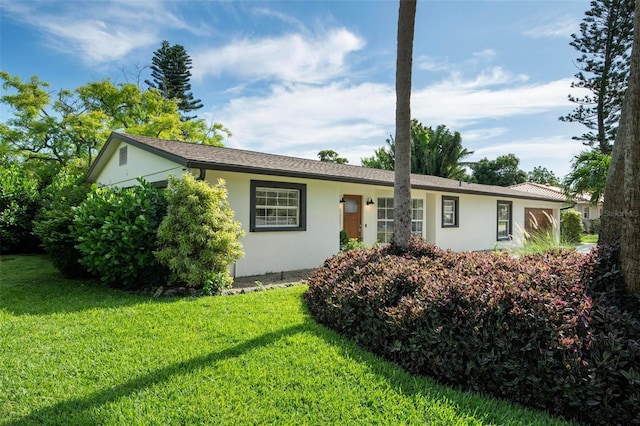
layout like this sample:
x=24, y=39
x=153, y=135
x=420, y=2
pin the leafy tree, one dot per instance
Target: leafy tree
x=588, y=175
x=402, y=182
x=55, y=128
x=19, y=203
x=198, y=239
x=171, y=73
x=621, y=216
x=54, y=221
x=604, y=42
x=503, y=171
x=543, y=176
x=330, y=156
x=383, y=158
x=433, y=152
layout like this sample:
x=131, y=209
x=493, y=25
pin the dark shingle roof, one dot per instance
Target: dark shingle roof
x=238, y=160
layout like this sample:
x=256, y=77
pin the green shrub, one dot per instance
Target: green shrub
x=571, y=226
x=198, y=239
x=526, y=329
x=594, y=226
x=54, y=222
x=116, y=232
x=344, y=239
x=19, y=203
x=354, y=244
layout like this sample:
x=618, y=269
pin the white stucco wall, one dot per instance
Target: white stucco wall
x=276, y=251
x=140, y=163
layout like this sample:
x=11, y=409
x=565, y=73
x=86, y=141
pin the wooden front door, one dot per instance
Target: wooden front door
x=352, y=216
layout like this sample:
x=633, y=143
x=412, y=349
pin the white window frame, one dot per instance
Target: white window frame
x=385, y=218
x=450, y=219
x=506, y=222
x=278, y=206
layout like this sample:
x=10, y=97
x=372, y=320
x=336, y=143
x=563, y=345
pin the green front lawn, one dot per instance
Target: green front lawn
x=589, y=238
x=72, y=352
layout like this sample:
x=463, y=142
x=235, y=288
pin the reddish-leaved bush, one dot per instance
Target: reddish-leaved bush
x=543, y=330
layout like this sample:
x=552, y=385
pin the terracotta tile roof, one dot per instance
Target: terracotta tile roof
x=238, y=160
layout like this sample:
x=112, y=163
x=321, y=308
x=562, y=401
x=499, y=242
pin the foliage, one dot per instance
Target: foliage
x=589, y=238
x=503, y=171
x=604, y=43
x=354, y=244
x=116, y=233
x=344, y=238
x=330, y=156
x=57, y=128
x=105, y=356
x=433, y=152
x=543, y=176
x=54, y=221
x=539, y=238
x=525, y=329
x=198, y=240
x=571, y=227
x=19, y=203
x=171, y=73
x=588, y=175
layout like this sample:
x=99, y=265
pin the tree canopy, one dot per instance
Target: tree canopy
x=433, y=152
x=171, y=73
x=503, y=171
x=330, y=156
x=58, y=127
x=543, y=176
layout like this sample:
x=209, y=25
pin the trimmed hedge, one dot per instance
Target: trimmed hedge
x=524, y=329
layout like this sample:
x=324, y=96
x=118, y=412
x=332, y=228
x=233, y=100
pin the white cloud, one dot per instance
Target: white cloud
x=471, y=135
x=294, y=58
x=560, y=28
x=429, y=63
x=98, y=32
x=486, y=54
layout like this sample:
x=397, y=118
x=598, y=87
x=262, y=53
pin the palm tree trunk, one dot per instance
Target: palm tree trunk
x=402, y=182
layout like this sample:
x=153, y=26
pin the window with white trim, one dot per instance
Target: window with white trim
x=504, y=220
x=386, y=216
x=278, y=206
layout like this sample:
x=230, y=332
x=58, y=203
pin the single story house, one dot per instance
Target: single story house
x=581, y=203
x=293, y=209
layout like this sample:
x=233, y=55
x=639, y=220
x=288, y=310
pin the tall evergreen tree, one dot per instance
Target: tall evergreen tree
x=171, y=73
x=604, y=42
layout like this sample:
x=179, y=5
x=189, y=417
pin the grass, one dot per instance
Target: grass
x=589, y=238
x=73, y=352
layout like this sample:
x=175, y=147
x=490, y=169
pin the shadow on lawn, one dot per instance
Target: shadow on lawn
x=460, y=401
x=77, y=411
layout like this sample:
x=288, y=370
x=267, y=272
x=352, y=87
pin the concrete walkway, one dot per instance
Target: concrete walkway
x=585, y=247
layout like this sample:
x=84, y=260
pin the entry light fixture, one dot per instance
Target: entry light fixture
x=342, y=201
x=370, y=201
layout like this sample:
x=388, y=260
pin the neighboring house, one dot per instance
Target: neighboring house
x=581, y=203
x=292, y=209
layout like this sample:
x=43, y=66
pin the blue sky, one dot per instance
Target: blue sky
x=296, y=77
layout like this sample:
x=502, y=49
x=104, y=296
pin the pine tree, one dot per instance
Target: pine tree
x=605, y=38
x=170, y=71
